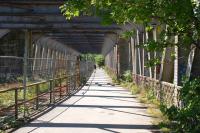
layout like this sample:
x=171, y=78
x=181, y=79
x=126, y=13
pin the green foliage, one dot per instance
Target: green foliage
x=182, y=17
x=187, y=118
x=127, y=76
x=128, y=34
x=99, y=59
x=153, y=62
x=88, y=57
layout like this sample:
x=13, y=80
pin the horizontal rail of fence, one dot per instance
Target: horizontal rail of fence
x=39, y=95
x=48, y=82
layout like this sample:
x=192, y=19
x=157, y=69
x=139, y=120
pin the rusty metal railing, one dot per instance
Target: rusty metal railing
x=39, y=95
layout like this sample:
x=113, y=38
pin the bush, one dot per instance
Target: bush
x=187, y=118
x=127, y=76
x=99, y=59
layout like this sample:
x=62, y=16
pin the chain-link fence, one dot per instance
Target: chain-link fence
x=28, y=86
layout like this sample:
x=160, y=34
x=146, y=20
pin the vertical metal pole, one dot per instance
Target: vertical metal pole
x=25, y=67
x=51, y=91
x=37, y=97
x=60, y=87
x=16, y=104
x=77, y=72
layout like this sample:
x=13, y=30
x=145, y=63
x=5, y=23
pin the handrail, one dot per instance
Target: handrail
x=33, y=84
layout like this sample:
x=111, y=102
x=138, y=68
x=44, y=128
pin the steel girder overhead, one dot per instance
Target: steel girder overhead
x=85, y=34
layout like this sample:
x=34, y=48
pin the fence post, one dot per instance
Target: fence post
x=26, y=47
x=16, y=103
x=51, y=89
x=66, y=85
x=37, y=98
x=60, y=87
x=77, y=75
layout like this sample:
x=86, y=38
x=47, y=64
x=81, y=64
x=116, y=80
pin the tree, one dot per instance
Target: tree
x=182, y=17
x=99, y=59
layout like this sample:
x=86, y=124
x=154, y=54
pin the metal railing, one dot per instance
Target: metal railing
x=46, y=85
x=39, y=95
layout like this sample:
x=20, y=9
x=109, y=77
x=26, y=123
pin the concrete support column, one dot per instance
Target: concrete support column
x=149, y=55
x=155, y=53
x=118, y=60
x=35, y=58
x=130, y=55
x=190, y=61
x=176, y=63
x=41, y=59
x=47, y=59
x=133, y=55
x=138, y=54
x=143, y=55
x=115, y=60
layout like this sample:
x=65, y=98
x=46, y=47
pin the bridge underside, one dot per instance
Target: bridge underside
x=40, y=50
x=44, y=18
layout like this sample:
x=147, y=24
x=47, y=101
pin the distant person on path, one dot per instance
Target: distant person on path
x=95, y=67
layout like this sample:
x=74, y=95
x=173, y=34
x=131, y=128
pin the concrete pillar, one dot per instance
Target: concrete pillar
x=155, y=53
x=35, y=56
x=130, y=55
x=118, y=60
x=195, y=71
x=139, y=54
x=149, y=55
x=134, y=64
x=176, y=62
x=190, y=61
x=143, y=55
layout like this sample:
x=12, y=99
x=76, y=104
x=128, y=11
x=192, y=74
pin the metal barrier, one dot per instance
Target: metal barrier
x=47, y=83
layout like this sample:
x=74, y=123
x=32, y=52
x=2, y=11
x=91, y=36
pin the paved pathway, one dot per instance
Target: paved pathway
x=97, y=108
